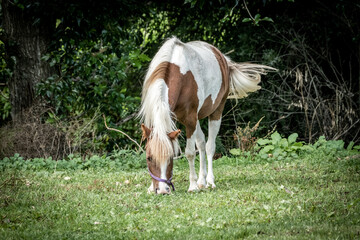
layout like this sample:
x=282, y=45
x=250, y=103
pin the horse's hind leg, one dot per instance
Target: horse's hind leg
x=214, y=126
x=200, y=144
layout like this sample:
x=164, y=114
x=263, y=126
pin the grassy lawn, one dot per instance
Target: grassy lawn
x=314, y=196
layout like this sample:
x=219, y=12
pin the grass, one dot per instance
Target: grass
x=314, y=196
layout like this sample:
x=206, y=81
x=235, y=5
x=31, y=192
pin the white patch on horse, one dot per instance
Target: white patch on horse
x=163, y=187
x=198, y=58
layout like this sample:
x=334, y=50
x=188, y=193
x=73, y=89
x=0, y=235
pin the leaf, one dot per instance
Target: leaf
x=284, y=143
x=308, y=148
x=267, y=19
x=235, y=151
x=268, y=148
x=275, y=137
x=277, y=152
x=292, y=138
x=58, y=21
x=144, y=58
x=350, y=146
x=298, y=144
x=257, y=17
x=245, y=20
x=262, y=142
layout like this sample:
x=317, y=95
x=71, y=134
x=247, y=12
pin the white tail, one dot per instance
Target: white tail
x=245, y=77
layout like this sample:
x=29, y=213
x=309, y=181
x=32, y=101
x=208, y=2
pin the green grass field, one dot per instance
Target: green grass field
x=314, y=196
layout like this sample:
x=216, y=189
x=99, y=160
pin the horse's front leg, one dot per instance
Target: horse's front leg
x=151, y=189
x=190, y=155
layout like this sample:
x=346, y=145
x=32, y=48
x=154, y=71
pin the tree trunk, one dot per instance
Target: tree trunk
x=26, y=40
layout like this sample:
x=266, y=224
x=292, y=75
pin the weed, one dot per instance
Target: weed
x=280, y=148
x=245, y=136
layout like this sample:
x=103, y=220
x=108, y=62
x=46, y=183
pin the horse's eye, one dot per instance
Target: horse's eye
x=148, y=158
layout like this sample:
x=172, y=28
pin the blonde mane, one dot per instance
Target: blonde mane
x=155, y=110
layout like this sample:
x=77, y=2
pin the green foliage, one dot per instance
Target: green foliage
x=273, y=147
x=280, y=148
x=96, y=75
x=93, y=75
x=116, y=161
x=257, y=19
x=5, y=103
x=5, y=73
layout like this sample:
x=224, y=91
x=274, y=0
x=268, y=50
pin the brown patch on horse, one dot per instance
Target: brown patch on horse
x=183, y=98
x=224, y=90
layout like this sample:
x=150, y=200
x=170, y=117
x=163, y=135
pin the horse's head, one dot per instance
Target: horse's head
x=159, y=158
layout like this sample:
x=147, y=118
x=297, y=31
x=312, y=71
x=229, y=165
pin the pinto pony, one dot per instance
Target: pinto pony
x=187, y=82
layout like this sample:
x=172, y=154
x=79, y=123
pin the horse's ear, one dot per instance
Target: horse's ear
x=173, y=135
x=146, y=131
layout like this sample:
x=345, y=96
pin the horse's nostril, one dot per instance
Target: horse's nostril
x=167, y=189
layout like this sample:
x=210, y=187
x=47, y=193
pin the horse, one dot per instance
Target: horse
x=186, y=82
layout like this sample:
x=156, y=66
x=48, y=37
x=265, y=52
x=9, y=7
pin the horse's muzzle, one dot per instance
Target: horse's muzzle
x=167, y=190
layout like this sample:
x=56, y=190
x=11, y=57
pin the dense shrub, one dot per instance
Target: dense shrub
x=118, y=160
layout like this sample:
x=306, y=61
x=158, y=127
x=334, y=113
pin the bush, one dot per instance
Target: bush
x=279, y=148
x=118, y=160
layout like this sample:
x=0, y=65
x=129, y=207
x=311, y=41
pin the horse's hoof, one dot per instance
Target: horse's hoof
x=193, y=189
x=201, y=183
x=212, y=185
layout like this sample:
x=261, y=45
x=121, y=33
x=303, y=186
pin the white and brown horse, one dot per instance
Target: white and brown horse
x=187, y=82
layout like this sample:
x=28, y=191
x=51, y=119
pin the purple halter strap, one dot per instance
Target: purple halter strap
x=168, y=182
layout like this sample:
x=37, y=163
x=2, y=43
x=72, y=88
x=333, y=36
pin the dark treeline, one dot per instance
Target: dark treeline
x=64, y=64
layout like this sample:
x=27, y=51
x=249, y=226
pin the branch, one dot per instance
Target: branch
x=252, y=18
x=113, y=129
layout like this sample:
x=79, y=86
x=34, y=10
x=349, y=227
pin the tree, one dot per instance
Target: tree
x=28, y=41
x=31, y=29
